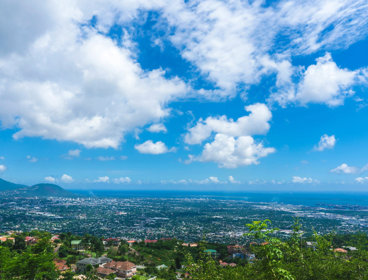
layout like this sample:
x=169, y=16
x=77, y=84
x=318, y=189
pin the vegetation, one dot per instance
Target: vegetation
x=265, y=256
x=291, y=258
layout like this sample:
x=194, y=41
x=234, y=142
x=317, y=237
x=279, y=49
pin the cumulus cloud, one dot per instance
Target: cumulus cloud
x=230, y=152
x=103, y=179
x=235, y=42
x=322, y=83
x=122, y=180
x=31, y=159
x=106, y=158
x=62, y=67
x=303, y=180
x=2, y=167
x=157, y=127
x=50, y=179
x=66, y=178
x=326, y=142
x=326, y=83
x=346, y=169
x=74, y=153
x=152, y=148
x=209, y=180
x=53, y=62
x=233, y=181
x=255, y=123
x=233, y=144
x=361, y=179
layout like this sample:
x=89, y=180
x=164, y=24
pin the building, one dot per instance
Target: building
x=54, y=238
x=211, y=252
x=82, y=264
x=162, y=266
x=104, y=272
x=122, y=269
x=61, y=265
x=147, y=241
x=30, y=240
x=340, y=250
x=6, y=238
x=76, y=244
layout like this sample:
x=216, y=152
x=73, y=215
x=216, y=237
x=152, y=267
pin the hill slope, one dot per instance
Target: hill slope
x=8, y=188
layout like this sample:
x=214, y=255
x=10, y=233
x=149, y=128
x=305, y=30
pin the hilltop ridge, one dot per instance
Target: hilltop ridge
x=41, y=189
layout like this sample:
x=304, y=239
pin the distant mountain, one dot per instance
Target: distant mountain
x=8, y=188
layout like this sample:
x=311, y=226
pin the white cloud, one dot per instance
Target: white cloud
x=326, y=83
x=303, y=180
x=50, y=179
x=361, y=179
x=2, y=167
x=255, y=123
x=326, y=142
x=66, y=178
x=229, y=40
x=230, y=152
x=106, y=158
x=72, y=83
x=152, y=148
x=233, y=181
x=74, y=153
x=31, y=159
x=346, y=169
x=63, y=79
x=103, y=179
x=122, y=180
x=157, y=127
x=123, y=157
x=209, y=180
x=233, y=144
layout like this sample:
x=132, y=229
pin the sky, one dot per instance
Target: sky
x=185, y=95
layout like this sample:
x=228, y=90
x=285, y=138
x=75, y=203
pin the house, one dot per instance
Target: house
x=340, y=250
x=131, y=242
x=237, y=251
x=61, y=265
x=223, y=264
x=111, y=242
x=350, y=248
x=82, y=264
x=104, y=272
x=122, y=269
x=76, y=244
x=211, y=252
x=6, y=238
x=54, y=238
x=162, y=266
x=147, y=241
x=233, y=249
x=30, y=239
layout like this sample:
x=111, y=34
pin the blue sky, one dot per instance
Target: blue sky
x=197, y=95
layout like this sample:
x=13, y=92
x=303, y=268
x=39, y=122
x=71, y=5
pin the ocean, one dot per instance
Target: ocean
x=296, y=198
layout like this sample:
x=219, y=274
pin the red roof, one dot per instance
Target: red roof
x=61, y=265
x=120, y=265
x=150, y=241
x=104, y=271
x=340, y=250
